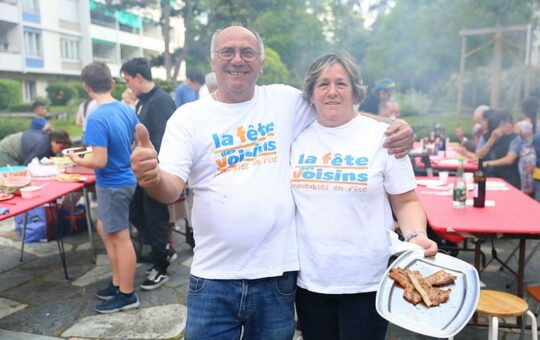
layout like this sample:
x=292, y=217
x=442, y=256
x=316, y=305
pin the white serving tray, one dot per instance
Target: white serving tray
x=442, y=321
x=79, y=150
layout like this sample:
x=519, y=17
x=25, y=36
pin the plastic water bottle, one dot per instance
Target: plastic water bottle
x=459, y=196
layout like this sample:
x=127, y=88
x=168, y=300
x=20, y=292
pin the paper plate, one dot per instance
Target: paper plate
x=442, y=321
x=5, y=197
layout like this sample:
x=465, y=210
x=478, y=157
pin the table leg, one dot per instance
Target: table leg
x=60, y=243
x=521, y=266
x=89, y=222
x=23, y=236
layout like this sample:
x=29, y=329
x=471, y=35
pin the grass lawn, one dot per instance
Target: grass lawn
x=422, y=125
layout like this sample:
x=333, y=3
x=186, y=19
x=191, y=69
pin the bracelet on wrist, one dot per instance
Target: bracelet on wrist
x=390, y=120
x=412, y=235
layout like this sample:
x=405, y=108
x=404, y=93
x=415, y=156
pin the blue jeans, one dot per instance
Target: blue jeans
x=258, y=309
x=339, y=316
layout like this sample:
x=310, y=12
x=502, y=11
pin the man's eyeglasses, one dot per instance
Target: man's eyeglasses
x=247, y=54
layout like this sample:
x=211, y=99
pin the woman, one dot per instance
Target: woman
x=499, y=147
x=21, y=147
x=526, y=130
x=85, y=109
x=345, y=185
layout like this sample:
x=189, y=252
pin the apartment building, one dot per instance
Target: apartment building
x=49, y=40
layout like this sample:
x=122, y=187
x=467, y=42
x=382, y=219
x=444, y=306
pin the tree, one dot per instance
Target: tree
x=275, y=71
x=417, y=43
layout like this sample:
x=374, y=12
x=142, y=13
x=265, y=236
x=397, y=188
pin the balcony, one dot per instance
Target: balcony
x=9, y=12
x=11, y=62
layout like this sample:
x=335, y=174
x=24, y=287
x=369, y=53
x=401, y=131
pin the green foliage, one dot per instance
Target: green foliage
x=417, y=43
x=166, y=86
x=68, y=125
x=9, y=126
x=423, y=124
x=119, y=88
x=10, y=93
x=275, y=71
x=81, y=93
x=413, y=102
x=60, y=93
x=25, y=107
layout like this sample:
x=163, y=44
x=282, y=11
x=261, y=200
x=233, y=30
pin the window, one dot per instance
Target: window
x=32, y=43
x=30, y=6
x=69, y=48
x=29, y=90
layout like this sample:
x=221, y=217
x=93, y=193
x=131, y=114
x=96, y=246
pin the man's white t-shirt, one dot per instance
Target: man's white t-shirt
x=340, y=178
x=236, y=158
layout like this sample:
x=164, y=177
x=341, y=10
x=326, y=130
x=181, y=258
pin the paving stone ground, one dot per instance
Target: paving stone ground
x=38, y=303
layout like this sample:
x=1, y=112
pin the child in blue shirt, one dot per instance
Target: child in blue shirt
x=110, y=131
x=39, y=122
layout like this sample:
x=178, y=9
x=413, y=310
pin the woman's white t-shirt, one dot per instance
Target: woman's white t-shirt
x=340, y=178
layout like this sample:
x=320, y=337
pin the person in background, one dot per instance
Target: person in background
x=341, y=267
x=465, y=142
x=385, y=108
x=395, y=110
x=129, y=98
x=479, y=123
x=480, y=127
x=384, y=89
x=526, y=129
x=189, y=90
x=210, y=85
x=536, y=174
x=40, y=122
x=110, y=131
x=234, y=148
x=499, y=148
x=85, y=109
x=21, y=147
x=150, y=217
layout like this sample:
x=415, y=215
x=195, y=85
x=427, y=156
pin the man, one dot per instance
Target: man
x=234, y=147
x=150, y=217
x=383, y=91
x=189, y=90
x=210, y=85
x=479, y=123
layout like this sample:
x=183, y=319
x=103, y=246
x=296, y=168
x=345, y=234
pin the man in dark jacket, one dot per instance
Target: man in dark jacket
x=150, y=217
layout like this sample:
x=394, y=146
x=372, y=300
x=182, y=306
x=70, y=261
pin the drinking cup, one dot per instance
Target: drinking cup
x=443, y=177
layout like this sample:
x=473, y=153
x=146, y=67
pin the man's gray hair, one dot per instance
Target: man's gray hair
x=260, y=43
x=345, y=60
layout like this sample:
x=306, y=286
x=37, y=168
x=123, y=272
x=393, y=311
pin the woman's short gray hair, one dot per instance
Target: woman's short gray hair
x=345, y=60
x=260, y=43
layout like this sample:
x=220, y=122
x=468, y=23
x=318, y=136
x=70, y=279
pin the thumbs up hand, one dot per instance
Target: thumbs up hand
x=144, y=161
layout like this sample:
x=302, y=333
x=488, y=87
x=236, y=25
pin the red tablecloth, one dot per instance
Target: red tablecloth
x=513, y=213
x=51, y=191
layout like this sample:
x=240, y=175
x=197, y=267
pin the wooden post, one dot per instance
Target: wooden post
x=460, y=79
x=496, y=76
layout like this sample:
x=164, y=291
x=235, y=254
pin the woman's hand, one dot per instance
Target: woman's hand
x=430, y=247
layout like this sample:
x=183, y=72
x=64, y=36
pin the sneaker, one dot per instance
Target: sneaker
x=170, y=255
x=155, y=279
x=118, y=303
x=108, y=292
